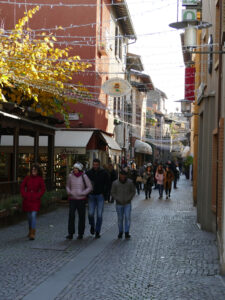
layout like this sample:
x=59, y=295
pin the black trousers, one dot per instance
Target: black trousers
x=81, y=209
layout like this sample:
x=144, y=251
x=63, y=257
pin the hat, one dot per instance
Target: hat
x=78, y=166
x=149, y=164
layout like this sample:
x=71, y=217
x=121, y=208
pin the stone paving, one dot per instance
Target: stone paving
x=167, y=257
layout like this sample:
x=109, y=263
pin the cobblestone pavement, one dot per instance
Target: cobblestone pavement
x=167, y=257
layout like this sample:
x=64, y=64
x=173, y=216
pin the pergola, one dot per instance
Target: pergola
x=16, y=121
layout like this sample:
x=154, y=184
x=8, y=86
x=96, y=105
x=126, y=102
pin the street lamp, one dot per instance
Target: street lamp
x=190, y=34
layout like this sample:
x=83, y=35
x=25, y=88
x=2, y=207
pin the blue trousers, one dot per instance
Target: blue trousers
x=32, y=219
x=123, y=212
x=95, y=202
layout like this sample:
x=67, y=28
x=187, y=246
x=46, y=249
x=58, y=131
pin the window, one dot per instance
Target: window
x=116, y=40
x=118, y=44
x=114, y=106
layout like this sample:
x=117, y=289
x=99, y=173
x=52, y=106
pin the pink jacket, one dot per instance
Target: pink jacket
x=159, y=177
x=75, y=186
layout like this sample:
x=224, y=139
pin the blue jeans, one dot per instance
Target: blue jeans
x=123, y=211
x=32, y=219
x=160, y=187
x=95, y=201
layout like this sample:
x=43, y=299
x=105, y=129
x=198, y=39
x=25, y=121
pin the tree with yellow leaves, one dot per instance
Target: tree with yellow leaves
x=34, y=73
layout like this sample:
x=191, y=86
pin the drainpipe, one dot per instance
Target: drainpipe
x=219, y=109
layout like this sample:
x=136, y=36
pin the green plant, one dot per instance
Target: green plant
x=188, y=161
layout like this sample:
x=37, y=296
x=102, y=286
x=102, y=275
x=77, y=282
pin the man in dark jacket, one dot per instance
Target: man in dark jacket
x=100, y=182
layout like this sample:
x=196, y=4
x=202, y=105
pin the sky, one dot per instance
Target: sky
x=159, y=46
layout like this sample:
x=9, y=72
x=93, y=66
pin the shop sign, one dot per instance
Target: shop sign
x=73, y=151
x=190, y=2
x=189, y=14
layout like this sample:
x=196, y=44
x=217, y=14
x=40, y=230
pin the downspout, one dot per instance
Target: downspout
x=219, y=109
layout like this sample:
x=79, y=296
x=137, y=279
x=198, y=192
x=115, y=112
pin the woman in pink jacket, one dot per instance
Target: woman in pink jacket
x=78, y=186
x=159, y=176
x=32, y=189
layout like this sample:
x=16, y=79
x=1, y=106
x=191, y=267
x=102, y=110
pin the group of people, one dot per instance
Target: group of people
x=94, y=187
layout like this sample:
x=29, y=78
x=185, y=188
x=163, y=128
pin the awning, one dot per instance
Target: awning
x=142, y=147
x=112, y=144
x=68, y=142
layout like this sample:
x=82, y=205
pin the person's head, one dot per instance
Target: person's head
x=123, y=176
x=35, y=170
x=96, y=164
x=148, y=169
x=77, y=167
x=167, y=168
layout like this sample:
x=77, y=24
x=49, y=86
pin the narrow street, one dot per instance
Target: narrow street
x=168, y=256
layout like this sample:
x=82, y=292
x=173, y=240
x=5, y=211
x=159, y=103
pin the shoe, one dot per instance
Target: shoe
x=167, y=197
x=97, y=235
x=92, y=230
x=69, y=237
x=80, y=237
x=32, y=235
x=127, y=235
x=120, y=235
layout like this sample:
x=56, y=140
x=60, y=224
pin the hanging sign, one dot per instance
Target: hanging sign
x=190, y=2
x=116, y=87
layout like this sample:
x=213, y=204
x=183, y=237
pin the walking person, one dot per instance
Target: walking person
x=100, y=182
x=113, y=175
x=148, y=179
x=159, y=175
x=123, y=190
x=32, y=189
x=168, y=179
x=78, y=186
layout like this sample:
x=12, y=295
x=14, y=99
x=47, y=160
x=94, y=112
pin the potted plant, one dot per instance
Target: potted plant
x=187, y=163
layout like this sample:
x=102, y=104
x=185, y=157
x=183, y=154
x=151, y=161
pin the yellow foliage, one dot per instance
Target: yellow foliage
x=38, y=69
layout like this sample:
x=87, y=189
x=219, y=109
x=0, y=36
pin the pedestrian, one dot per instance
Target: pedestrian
x=100, y=182
x=135, y=177
x=32, y=189
x=155, y=166
x=148, y=180
x=123, y=190
x=78, y=186
x=159, y=175
x=168, y=179
x=113, y=175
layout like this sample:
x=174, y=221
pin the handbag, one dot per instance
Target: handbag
x=139, y=179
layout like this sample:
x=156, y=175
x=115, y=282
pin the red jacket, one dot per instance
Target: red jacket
x=32, y=189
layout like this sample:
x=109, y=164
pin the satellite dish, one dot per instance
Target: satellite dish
x=116, y=87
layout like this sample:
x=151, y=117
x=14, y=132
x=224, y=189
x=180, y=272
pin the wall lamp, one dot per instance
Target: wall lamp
x=190, y=35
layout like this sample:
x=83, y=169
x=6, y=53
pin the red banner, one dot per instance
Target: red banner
x=190, y=83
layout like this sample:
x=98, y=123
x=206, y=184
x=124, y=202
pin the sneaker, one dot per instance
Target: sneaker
x=120, y=235
x=69, y=237
x=92, y=230
x=97, y=235
x=127, y=235
x=80, y=237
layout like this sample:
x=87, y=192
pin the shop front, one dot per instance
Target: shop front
x=69, y=146
x=143, y=152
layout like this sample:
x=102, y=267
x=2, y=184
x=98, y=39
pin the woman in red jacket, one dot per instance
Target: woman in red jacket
x=32, y=189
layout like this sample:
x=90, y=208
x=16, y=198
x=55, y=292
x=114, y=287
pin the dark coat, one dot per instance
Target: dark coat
x=32, y=189
x=168, y=178
x=100, y=181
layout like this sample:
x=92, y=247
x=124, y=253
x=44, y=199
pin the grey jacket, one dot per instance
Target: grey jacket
x=123, y=192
